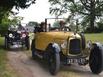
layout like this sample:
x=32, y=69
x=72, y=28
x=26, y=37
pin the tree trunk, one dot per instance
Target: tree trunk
x=92, y=20
x=92, y=16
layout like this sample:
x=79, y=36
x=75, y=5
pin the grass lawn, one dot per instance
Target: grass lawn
x=97, y=37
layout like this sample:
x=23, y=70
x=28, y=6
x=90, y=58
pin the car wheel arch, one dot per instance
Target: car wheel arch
x=55, y=46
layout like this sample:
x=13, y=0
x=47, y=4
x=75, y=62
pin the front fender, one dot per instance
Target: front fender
x=57, y=47
x=98, y=44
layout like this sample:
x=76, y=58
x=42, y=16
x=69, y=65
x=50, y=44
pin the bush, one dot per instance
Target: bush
x=97, y=29
x=3, y=29
x=100, y=26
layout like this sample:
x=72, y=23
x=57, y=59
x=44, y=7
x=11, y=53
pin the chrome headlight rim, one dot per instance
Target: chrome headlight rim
x=89, y=44
x=10, y=35
x=23, y=35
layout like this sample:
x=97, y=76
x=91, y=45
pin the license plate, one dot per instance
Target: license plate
x=14, y=42
x=75, y=60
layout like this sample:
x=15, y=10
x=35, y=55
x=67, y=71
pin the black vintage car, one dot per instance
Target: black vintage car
x=17, y=36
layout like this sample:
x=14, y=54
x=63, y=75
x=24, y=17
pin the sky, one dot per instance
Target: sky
x=36, y=12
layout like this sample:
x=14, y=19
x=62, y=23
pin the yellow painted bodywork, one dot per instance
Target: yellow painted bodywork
x=43, y=39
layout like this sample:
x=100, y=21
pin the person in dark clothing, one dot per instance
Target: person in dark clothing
x=40, y=28
x=62, y=24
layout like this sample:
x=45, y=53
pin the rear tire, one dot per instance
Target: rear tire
x=96, y=59
x=27, y=43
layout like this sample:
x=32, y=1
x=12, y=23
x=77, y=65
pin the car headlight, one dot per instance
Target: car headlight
x=23, y=35
x=64, y=44
x=89, y=44
x=10, y=35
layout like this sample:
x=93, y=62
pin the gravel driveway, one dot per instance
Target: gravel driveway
x=26, y=67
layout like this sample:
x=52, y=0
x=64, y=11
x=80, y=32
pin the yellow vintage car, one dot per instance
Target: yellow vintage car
x=60, y=45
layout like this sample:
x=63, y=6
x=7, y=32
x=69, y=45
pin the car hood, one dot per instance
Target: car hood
x=43, y=39
x=62, y=35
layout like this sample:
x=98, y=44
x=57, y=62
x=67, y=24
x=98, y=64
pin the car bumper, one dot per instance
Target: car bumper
x=80, y=59
x=14, y=42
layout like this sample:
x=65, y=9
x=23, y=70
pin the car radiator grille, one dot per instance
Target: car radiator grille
x=74, y=46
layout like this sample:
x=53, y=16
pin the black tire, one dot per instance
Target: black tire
x=96, y=60
x=27, y=43
x=33, y=49
x=54, y=61
x=6, y=43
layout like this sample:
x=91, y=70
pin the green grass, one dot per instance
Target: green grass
x=97, y=37
x=1, y=41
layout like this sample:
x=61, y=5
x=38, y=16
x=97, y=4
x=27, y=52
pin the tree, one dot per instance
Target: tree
x=32, y=23
x=15, y=20
x=5, y=11
x=4, y=25
x=7, y=5
x=89, y=10
x=16, y=3
x=56, y=24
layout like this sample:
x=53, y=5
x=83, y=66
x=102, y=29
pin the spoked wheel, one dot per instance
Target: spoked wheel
x=96, y=60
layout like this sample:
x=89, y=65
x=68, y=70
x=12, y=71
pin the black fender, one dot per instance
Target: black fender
x=99, y=45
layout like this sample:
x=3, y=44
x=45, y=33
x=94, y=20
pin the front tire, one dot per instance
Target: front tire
x=96, y=59
x=54, y=60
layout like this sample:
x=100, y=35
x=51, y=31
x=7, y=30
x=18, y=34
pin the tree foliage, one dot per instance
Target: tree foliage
x=7, y=5
x=32, y=23
x=17, y=3
x=88, y=10
x=5, y=11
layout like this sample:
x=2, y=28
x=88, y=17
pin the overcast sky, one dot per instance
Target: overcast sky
x=36, y=12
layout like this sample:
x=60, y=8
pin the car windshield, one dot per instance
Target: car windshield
x=59, y=26
x=12, y=28
x=21, y=28
x=56, y=24
x=65, y=28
